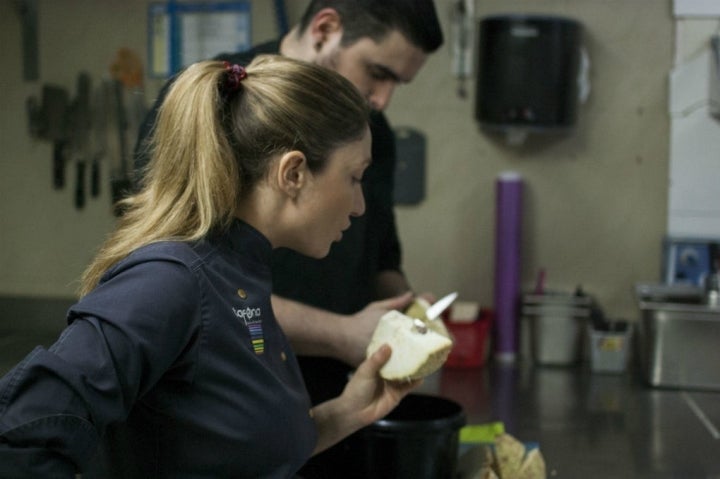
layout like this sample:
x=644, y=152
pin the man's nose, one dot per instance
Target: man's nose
x=381, y=95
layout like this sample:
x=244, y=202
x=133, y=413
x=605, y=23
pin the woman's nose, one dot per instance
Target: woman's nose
x=358, y=205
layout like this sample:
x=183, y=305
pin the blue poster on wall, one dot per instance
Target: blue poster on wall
x=181, y=33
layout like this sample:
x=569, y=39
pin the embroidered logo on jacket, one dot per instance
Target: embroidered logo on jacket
x=252, y=318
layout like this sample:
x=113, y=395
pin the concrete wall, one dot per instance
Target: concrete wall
x=595, y=204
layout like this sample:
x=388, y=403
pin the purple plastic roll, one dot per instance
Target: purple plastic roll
x=508, y=220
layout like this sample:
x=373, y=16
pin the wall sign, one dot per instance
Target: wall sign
x=182, y=33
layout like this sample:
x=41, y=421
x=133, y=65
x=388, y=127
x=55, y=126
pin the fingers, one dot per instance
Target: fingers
x=378, y=359
x=370, y=368
x=397, y=302
x=428, y=296
x=409, y=387
x=404, y=387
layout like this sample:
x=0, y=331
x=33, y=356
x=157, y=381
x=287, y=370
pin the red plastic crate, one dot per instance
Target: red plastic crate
x=471, y=341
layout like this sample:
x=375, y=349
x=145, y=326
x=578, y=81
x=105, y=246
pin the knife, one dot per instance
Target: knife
x=53, y=116
x=99, y=112
x=437, y=308
x=80, y=125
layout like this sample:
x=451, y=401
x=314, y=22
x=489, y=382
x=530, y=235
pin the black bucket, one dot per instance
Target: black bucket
x=419, y=439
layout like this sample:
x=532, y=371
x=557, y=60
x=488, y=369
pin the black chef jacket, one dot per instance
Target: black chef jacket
x=175, y=363
x=344, y=281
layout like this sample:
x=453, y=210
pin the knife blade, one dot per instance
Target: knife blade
x=436, y=309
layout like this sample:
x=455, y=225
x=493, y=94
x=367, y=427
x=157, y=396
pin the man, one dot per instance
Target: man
x=326, y=306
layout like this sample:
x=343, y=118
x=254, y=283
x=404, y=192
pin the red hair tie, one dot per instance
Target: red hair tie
x=235, y=74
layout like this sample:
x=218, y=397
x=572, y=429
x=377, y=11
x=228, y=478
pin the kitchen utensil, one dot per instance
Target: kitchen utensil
x=51, y=124
x=80, y=124
x=557, y=322
x=28, y=12
x=80, y=185
x=99, y=150
x=120, y=175
x=420, y=326
x=678, y=337
x=439, y=306
x=60, y=148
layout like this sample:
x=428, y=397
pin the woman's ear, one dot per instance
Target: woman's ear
x=292, y=172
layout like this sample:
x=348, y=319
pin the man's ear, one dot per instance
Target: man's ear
x=292, y=172
x=325, y=27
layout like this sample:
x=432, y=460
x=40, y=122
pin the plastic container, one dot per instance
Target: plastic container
x=609, y=350
x=470, y=341
x=557, y=326
x=419, y=439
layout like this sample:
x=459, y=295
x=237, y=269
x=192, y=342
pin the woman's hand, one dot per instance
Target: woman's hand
x=357, y=330
x=367, y=397
x=372, y=396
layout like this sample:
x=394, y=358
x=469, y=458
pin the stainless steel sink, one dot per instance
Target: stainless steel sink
x=679, y=336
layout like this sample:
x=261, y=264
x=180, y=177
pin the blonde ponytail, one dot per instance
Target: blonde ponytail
x=207, y=148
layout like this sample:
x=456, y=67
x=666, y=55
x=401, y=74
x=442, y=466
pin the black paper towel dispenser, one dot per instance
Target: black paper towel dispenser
x=528, y=73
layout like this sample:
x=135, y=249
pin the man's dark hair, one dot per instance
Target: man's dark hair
x=415, y=19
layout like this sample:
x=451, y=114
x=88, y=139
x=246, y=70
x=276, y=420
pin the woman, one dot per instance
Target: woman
x=172, y=358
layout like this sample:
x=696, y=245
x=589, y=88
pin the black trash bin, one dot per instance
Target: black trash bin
x=417, y=440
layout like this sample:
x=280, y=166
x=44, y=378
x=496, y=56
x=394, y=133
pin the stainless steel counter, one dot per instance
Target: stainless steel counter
x=587, y=425
x=591, y=425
